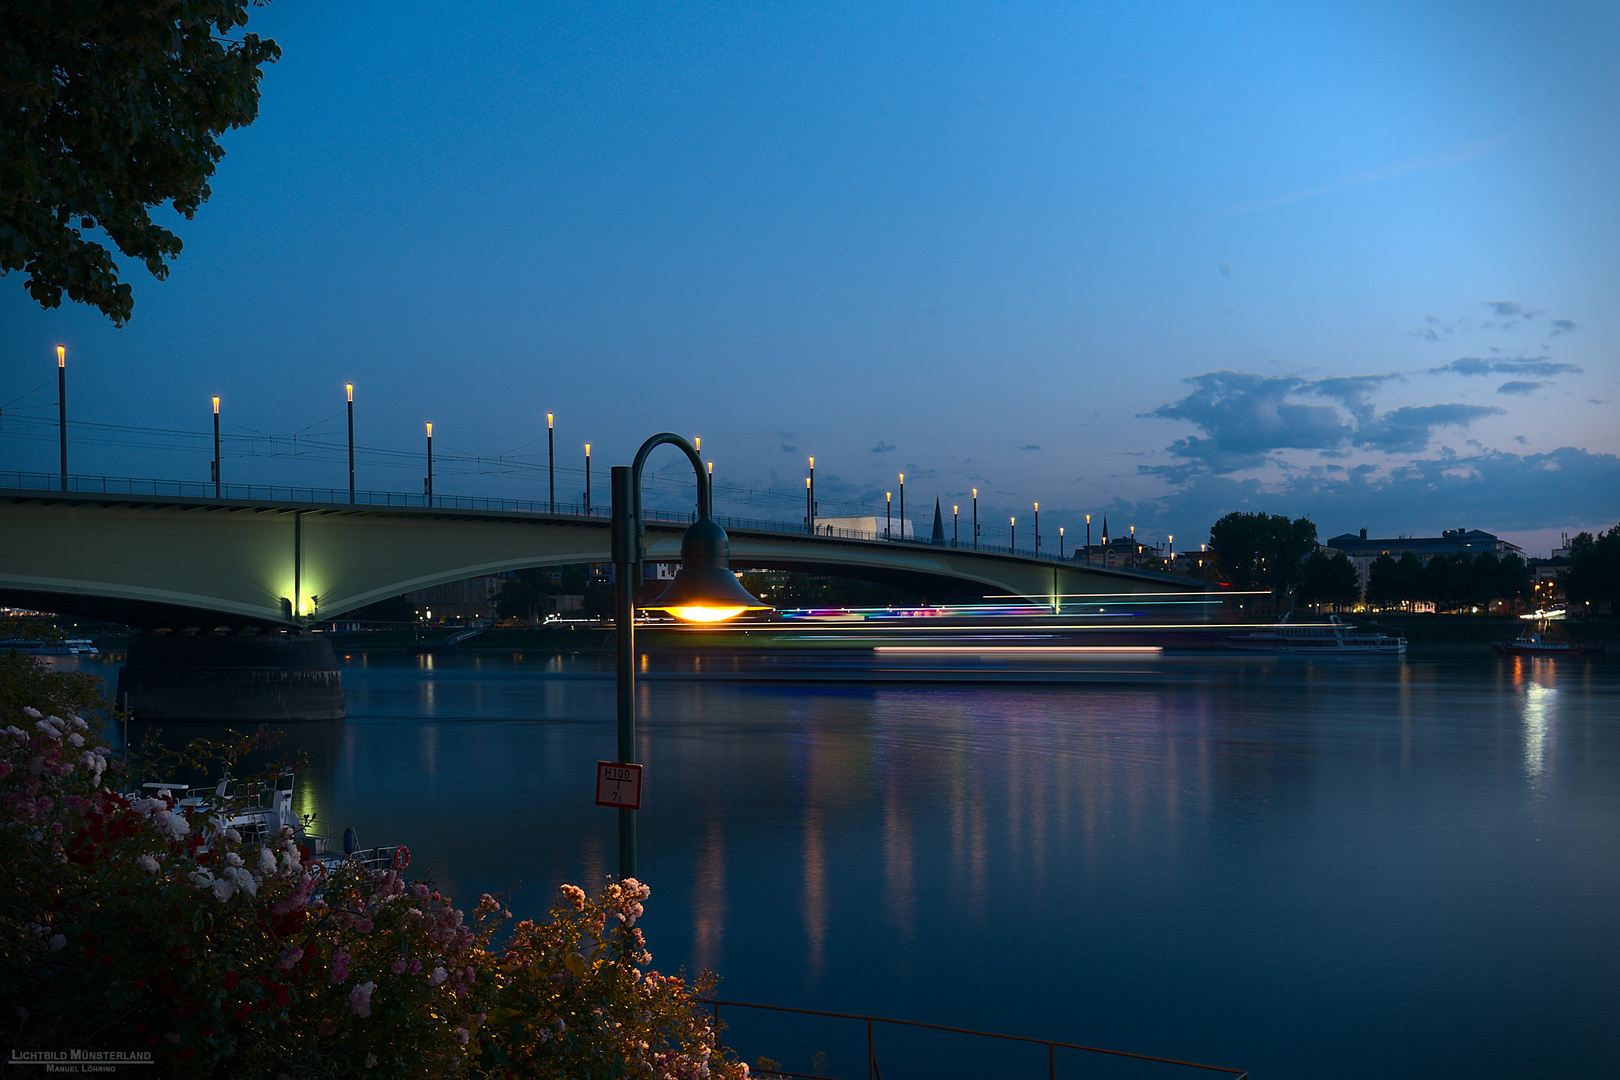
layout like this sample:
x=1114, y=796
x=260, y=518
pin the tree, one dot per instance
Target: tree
x=1383, y=582
x=1329, y=581
x=1262, y=551
x=519, y=599
x=107, y=109
x=1593, y=576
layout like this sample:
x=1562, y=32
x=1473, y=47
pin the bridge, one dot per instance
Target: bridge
x=171, y=553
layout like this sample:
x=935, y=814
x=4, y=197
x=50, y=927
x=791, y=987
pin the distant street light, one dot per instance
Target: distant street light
x=587, y=478
x=809, y=522
x=1088, y=538
x=1037, y=528
x=551, y=462
x=954, y=515
x=1012, y=543
x=902, y=506
x=975, y=519
x=348, y=388
x=704, y=590
x=216, y=446
x=427, y=484
x=61, y=406
x=1060, y=541
x=888, y=519
x=812, y=494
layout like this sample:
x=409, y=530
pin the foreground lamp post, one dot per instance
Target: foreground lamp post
x=704, y=591
x=61, y=406
x=427, y=484
x=216, y=446
x=349, y=389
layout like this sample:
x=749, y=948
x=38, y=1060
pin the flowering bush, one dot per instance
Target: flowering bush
x=139, y=924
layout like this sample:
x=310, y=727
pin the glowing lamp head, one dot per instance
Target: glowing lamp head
x=902, y=479
x=812, y=461
x=430, y=430
x=216, y=405
x=705, y=590
x=549, y=421
x=711, y=468
x=697, y=443
x=1037, y=508
x=975, y=494
x=587, y=449
x=61, y=356
x=348, y=388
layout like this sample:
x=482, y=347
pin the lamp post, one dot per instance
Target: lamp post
x=551, y=463
x=1037, y=529
x=587, y=479
x=812, y=494
x=888, y=519
x=1060, y=541
x=1088, y=538
x=427, y=485
x=349, y=389
x=902, y=506
x=955, y=515
x=704, y=590
x=61, y=406
x=809, y=524
x=975, y=519
x=1012, y=542
x=216, y=446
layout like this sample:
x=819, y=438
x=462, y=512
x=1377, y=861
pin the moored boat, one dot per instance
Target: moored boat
x=1536, y=645
x=1332, y=638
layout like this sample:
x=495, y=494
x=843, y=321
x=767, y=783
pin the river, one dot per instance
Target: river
x=1307, y=869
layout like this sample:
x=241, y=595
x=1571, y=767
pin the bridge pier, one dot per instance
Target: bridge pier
x=273, y=678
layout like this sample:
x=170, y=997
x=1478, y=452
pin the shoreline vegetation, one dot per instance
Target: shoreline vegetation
x=135, y=925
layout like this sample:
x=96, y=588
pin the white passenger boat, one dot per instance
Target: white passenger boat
x=1332, y=638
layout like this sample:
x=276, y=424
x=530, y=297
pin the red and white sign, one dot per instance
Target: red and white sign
x=618, y=783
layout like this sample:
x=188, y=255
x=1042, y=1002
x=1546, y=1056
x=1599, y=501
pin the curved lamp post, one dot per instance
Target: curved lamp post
x=704, y=591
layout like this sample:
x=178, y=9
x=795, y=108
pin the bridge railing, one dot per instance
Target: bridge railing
x=340, y=497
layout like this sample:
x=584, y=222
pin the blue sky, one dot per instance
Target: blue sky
x=1357, y=262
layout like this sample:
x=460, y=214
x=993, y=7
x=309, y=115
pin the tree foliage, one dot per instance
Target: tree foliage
x=107, y=109
x=1593, y=576
x=1262, y=551
x=1330, y=581
x=1448, y=581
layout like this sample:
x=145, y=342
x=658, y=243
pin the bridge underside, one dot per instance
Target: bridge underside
x=206, y=563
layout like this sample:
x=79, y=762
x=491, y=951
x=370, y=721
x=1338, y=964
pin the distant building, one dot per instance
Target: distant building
x=468, y=600
x=1363, y=551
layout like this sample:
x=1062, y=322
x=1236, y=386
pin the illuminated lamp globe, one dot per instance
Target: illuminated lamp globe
x=705, y=590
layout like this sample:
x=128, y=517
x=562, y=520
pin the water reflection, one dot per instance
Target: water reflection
x=1539, y=702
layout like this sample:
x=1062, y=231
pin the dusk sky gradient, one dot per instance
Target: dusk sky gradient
x=1360, y=262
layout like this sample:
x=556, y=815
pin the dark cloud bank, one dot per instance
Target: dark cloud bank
x=1244, y=420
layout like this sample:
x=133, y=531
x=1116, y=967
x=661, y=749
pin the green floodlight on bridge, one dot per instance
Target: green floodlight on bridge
x=704, y=591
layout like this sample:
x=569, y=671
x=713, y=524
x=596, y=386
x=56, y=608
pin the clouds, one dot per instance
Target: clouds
x=1524, y=389
x=1491, y=490
x=1505, y=309
x=1521, y=365
x=1507, y=315
x=883, y=447
x=1245, y=418
x=1563, y=326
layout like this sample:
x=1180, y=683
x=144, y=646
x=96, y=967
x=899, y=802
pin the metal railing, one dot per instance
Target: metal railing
x=342, y=497
x=874, y=1073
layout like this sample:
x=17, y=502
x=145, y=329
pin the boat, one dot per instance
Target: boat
x=1535, y=645
x=41, y=647
x=1332, y=638
x=259, y=812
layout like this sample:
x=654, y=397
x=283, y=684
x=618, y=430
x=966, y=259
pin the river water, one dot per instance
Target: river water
x=1307, y=869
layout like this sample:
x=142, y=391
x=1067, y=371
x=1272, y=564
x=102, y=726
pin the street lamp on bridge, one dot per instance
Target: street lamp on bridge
x=349, y=389
x=427, y=484
x=975, y=519
x=551, y=462
x=61, y=406
x=216, y=446
x=704, y=591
